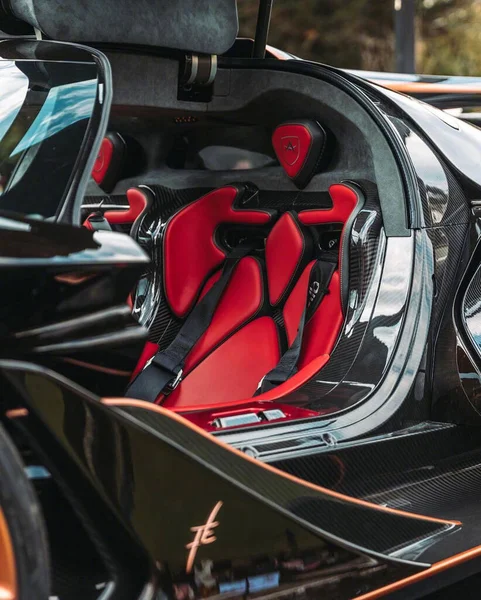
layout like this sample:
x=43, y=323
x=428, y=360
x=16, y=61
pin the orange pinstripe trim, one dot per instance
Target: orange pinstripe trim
x=420, y=87
x=8, y=571
x=75, y=278
x=436, y=568
x=16, y=412
x=99, y=368
x=167, y=413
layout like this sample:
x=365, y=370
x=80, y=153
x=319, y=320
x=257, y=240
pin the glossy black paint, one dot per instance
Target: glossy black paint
x=429, y=468
x=456, y=141
x=139, y=481
x=69, y=305
x=446, y=219
x=98, y=455
x=444, y=216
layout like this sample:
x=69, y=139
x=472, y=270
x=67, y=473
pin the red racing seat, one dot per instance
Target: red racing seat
x=281, y=310
x=259, y=313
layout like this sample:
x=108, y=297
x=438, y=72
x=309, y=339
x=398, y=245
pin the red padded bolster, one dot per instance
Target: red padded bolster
x=344, y=200
x=190, y=252
x=137, y=203
x=286, y=250
x=290, y=386
x=233, y=371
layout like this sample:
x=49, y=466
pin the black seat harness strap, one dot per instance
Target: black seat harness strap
x=287, y=366
x=163, y=372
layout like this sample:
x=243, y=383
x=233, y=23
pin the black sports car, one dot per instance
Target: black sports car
x=240, y=325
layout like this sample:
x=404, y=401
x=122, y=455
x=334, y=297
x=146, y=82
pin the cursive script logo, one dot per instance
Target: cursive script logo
x=204, y=534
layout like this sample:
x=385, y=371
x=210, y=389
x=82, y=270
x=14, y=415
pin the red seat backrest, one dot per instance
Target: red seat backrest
x=191, y=251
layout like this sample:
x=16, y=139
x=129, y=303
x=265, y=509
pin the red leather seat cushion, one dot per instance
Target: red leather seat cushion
x=190, y=251
x=291, y=385
x=233, y=371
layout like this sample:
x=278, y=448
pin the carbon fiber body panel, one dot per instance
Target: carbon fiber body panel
x=263, y=512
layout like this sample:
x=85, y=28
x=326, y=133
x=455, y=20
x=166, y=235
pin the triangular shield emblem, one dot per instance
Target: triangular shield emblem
x=290, y=149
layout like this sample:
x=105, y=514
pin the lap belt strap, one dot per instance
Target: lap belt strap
x=317, y=288
x=163, y=372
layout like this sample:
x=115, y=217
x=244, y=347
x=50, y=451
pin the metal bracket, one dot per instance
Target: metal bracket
x=199, y=70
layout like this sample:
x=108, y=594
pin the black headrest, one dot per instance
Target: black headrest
x=206, y=26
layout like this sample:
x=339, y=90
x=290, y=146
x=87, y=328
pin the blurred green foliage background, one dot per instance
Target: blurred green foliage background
x=359, y=34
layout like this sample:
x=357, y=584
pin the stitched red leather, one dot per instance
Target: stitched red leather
x=344, y=200
x=279, y=393
x=239, y=303
x=284, y=250
x=225, y=371
x=190, y=252
x=232, y=372
x=137, y=203
x=292, y=144
x=102, y=161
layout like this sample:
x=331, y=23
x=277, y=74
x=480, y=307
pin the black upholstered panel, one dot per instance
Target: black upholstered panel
x=208, y=26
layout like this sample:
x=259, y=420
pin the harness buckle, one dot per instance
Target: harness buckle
x=170, y=387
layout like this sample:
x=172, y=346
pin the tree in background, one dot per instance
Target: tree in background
x=359, y=33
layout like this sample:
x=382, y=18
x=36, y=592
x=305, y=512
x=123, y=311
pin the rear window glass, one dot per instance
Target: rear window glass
x=45, y=109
